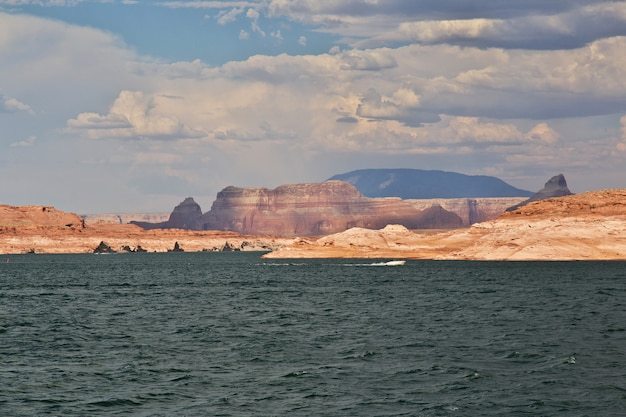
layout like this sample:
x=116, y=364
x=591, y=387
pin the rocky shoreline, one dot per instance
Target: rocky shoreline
x=583, y=226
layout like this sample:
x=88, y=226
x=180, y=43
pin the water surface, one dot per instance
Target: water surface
x=230, y=334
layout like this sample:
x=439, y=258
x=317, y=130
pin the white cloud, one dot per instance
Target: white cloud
x=12, y=105
x=543, y=133
x=517, y=111
x=229, y=16
x=277, y=35
x=135, y=115
x=252, y=14
x=97, y=121
x=371, y=60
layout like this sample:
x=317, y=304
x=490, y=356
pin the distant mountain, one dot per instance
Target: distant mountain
x=423, y=184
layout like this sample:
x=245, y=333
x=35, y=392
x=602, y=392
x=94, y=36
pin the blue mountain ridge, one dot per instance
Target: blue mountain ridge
x=409, y=183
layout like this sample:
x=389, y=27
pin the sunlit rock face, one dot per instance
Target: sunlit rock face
x=335, y=206
x=317, y=209
x=37, y=217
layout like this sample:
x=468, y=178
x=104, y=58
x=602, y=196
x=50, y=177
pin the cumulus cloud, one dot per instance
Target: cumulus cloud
x=254, y=15
x=372, y=60
x=402, y=106
x=135, y=115
x=520, y=110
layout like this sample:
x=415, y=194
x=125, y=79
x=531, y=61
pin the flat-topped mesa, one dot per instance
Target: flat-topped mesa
x=289, y=196
x=314, y=209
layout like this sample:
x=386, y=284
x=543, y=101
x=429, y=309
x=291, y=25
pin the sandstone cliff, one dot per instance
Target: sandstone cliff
x=42, y=229
x=577, y=227
x=38, y=217
x=316, y=209
x=324, y=208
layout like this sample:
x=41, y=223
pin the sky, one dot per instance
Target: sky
x=131, y=106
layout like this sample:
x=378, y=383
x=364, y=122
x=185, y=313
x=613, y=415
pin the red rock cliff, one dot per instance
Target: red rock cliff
x=315, y=209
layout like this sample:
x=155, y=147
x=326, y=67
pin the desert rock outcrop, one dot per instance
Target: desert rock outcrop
x=42, y=229
x=576, y=227
x=555, y=187
x=187, y=215
x=316, y=209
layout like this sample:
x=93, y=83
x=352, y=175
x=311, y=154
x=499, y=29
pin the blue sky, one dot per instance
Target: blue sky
x=129, y=106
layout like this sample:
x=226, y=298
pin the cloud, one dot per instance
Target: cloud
x=511, y=24
x=229, y=16
x=40, y=2
x=97, y=121
x=430, y=103
x=208, y=4
x=403, y=106
x=12, y=105
x=543, y=133
x=372, y=60
x=135, y=115
x=26, y=143
x=302, y=40
x=572, y=29
x=277, y=35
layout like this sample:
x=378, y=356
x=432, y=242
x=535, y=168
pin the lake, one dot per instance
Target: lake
x=231, y=334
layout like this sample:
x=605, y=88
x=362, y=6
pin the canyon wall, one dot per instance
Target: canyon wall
x=335, y=206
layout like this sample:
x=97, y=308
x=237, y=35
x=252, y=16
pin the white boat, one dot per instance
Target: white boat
x=398, y=262
x=395, y=263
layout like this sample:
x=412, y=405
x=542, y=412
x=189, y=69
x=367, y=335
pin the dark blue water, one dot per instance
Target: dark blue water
x=229, y=334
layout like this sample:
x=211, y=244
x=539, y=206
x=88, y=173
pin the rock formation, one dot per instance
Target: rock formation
x=187, y=215
x=37, y=217
x=582, y=226
x=316, y=209
x=103, y=248
x=588, y=226
x=324, y=208
x=43, y=229
x=555, y=187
